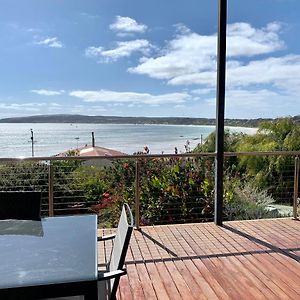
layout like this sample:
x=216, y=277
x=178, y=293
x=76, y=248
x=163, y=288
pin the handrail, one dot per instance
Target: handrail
x=262, y=153
x=141, y=156
x=115, y=157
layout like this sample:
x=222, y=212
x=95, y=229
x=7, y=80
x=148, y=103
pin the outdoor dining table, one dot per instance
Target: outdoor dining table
x=54, y=257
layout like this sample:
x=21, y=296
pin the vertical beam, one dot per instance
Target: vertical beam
x=50, y=187
x=296, y=187
x=93, y=139
x=221, y=71
x=32, y=143
x=137, y=194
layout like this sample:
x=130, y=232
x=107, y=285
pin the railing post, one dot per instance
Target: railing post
x=137, y=194
x=50, y=187
x=296, y=186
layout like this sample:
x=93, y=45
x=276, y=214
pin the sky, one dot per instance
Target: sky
x=148, y=58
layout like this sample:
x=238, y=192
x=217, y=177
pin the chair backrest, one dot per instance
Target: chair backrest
x=121, y=243
x=20, y=205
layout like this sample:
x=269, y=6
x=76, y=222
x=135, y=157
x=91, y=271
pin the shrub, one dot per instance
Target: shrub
x=248, y=203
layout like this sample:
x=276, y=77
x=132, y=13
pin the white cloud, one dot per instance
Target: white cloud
x=22, y=106
x=82, y=109
x=185, y=54
x=281, y=72
x=123, y=49
x=256, y=103
x=54, y=104
x=51, y=42
x=189, y=54
x=127, y=25
x=48, y=92
x=182, y=29
x=93, y=51
x=130, y=97
x=202, y=91
x=251, y=98
x=34, y=30
x=34, y=108
x=244, y=40
x=207, y=78
x=190, y=59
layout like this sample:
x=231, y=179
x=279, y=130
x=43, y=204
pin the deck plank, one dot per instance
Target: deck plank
x=206, y=287
x=242, y=260
x=158, y=254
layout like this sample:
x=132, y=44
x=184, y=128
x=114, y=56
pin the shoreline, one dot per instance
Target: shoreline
x=53, y=138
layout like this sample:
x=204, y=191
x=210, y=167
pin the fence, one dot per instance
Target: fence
x=160, y=188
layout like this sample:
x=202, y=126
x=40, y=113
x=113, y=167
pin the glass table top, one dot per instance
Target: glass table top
x=53, y=250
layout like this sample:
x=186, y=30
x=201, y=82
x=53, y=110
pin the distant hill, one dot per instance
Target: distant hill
x=61, y=118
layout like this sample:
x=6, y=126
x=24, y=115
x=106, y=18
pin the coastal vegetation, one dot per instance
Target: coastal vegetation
x=177, y=189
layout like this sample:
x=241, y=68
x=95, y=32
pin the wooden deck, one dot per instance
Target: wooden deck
x=242, y=260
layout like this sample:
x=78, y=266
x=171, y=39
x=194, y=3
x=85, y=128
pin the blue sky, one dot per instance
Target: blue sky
x=147, y=58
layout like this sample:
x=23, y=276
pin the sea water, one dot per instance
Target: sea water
x=54, y=138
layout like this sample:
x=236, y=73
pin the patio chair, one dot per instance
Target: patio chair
x=115, y=270
x=20, y=205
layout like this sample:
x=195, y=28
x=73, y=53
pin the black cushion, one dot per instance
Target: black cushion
x=20, y=205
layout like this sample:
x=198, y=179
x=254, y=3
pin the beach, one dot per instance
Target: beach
x=53, y=138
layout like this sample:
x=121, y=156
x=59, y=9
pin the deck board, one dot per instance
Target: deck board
x=242, y=260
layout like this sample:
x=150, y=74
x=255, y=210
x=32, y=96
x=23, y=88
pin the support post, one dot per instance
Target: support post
x=220, y=108
x=296, y=188
x=137, y=194
x=32, y=143
x=93, y=139
x=50, y=187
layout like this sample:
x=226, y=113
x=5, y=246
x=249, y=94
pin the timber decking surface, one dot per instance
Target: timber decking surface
x=257, y=259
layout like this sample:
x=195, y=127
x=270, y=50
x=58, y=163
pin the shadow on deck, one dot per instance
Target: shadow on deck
x=242, y=260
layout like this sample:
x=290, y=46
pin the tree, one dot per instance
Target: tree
x=231, y=141
x=271, y=172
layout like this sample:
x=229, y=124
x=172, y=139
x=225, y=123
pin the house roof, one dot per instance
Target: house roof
x=89, y=150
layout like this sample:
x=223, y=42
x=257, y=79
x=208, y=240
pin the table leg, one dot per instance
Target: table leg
x=92, y=292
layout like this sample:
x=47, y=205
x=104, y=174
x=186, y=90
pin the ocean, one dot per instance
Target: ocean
x=54, y=138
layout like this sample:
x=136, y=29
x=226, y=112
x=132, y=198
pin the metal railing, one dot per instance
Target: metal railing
x=63, y=192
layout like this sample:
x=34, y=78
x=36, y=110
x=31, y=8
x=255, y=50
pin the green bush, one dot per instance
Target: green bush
x=246, y=203
x=176, y=191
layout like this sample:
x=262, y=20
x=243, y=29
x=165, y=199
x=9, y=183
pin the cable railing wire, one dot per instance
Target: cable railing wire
x=69, y=193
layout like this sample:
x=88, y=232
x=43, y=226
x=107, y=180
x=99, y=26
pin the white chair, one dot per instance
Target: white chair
x=114, y=269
